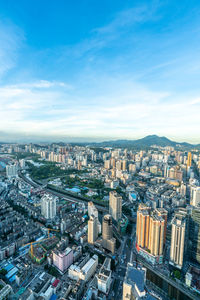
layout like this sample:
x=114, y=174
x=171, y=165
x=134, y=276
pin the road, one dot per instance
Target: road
x=59, y=194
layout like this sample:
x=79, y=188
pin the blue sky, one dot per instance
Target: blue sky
x=99, y=69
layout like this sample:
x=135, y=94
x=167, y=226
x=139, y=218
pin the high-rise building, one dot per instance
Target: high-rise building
x=178, y=239
x=115, y=205
x=156, y=234
x=194, y=235
x=12, y=171
x=195, y=196
x=189, y=159
x=62, y=260
x=151, y=230
x=48, y=206
x=92, y=229
x=107, y=234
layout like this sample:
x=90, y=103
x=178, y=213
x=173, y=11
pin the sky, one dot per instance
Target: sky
x=99, y=70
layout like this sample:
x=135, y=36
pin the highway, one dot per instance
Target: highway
x=61, y=195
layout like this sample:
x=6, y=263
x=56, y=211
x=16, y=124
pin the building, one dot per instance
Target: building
x=22, y=163
x=178, y=239
x=107, y=234
x=85, y=270
x=104, y=279
x=115, y=205
x=92, y=229
x=134, y=283
x=5, y=291
x=151, y=232
x=194, y=234
x=189, y=159
x=195, y=196
x=62, y=260
x=12, y=171
x=48, y=206
x=92, y=210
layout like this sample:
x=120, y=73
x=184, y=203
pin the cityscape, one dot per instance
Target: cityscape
x=94, y=222
x=99, y=150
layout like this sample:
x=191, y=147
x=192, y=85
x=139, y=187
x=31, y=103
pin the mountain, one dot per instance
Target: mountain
x=147, y=141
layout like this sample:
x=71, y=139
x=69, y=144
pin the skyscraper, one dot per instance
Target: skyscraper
x=178, y=239
x=194, y=235
x=189, y=159
x=48, y=206
x=195, y=196
x=107, y=234
x=151, y=229
x=92, y=229
x=115, y=205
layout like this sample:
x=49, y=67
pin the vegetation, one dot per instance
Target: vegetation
x=177, y=274
x=3, y=272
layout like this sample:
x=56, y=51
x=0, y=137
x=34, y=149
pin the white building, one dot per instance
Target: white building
x=22, y=163
x=178, y=240
x=48, y=206
x=86, y=272
x=104, y=277
x=12, y=171
x=195, y=196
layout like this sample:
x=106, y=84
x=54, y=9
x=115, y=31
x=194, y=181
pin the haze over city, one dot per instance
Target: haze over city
x=99, y=70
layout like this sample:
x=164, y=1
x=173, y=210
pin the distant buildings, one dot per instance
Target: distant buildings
x=107, y=234
x=115, y=205
x=48, y=206
x=62, y=260
x=178, y=239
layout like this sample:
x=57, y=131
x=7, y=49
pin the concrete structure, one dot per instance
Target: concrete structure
x=115, y=205
x=62, y=260
x=12, y=171
x=84, y=272
x=134, y=283
x=107, y=234
x=178, y=240
x=151, y=230
x=48, y=206
x=194, y=234
x=92, y=210
x=104, y=277
x=195, y=196
x=92, y=229
x=6, y=290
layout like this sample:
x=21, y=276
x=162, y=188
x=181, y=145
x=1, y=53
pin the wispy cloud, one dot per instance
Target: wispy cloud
x=11, y=39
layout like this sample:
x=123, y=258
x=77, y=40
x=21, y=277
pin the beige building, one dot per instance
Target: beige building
x=115, y=205
x=151, y=229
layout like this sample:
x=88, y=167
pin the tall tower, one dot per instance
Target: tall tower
x=178, y=240
x=92, y=229
x=151, y=229
x=189, y=159
x=107, y=234
x=48, y=206
x=115, y=205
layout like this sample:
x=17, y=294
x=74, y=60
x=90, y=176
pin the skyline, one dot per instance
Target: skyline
x=100, y=71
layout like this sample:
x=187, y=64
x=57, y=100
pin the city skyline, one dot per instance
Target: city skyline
x=102, y=71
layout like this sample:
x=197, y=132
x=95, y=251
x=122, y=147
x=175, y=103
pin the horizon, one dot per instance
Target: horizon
x=99, y=71
x=71, y=139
